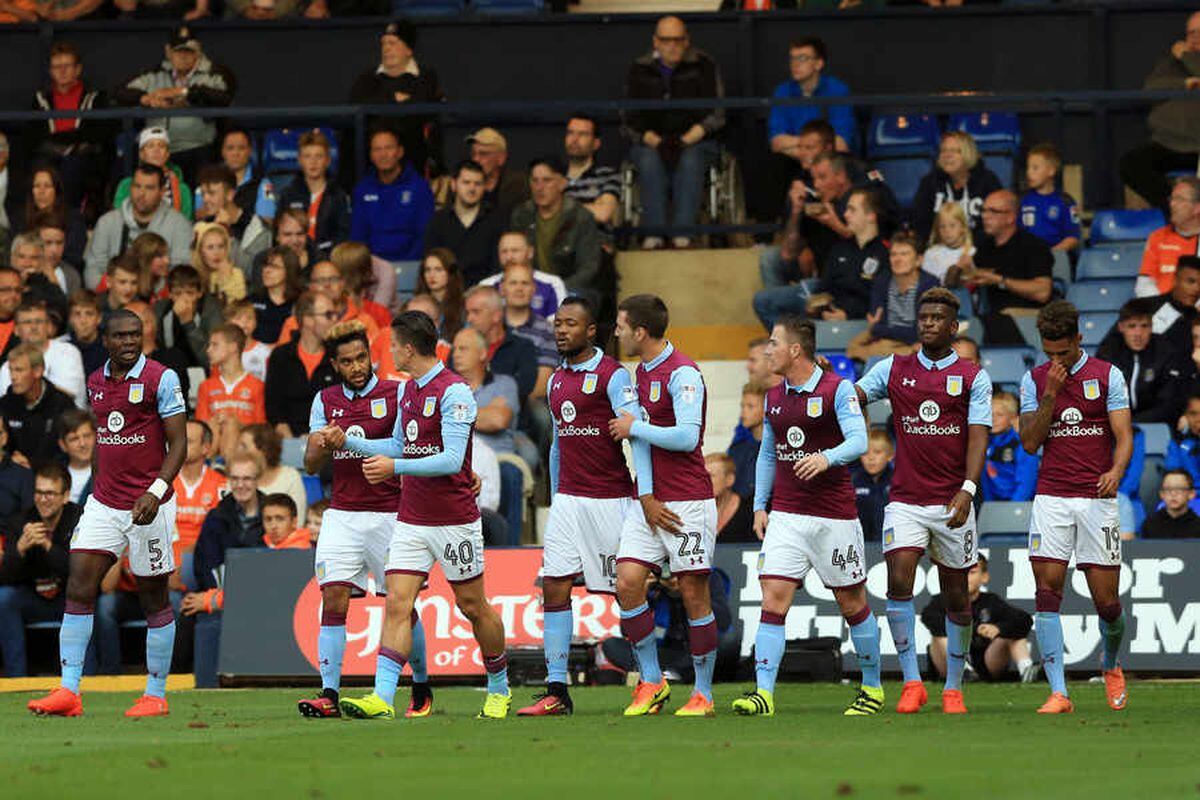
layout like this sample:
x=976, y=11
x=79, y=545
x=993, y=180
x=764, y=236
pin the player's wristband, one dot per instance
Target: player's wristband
x=969, y=487
x=159, y=488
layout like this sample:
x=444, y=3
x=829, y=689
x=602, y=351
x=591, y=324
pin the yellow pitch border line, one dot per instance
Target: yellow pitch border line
x=97, y=683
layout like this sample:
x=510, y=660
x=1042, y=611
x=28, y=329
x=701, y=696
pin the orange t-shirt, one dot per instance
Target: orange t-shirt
x=192, y=506
x=245, y=398
x=377, y=312
x=385, y=365
x=299, y=539
x=24, y=5
x=310, y=360
x=353, y=311
x=1163, y=249
x=6, y=332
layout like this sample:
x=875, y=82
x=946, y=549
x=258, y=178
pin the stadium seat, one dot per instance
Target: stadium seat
x=1158, y=437
x=1061, y=271
x=1095, y=325
x=1029, y=332
x=1002, y=517
x=312, y=488
x=1006, y=365
x=1116, y=262
x=993, y=131
x=842, y=364
x=903, y=175
x=902, y=135
x=428, y=8
x=1118, y=225
x=836, y=335
x=280, y=150
x=292, y=453
x=508, y=6
x=1107, y=295
x=879, y=412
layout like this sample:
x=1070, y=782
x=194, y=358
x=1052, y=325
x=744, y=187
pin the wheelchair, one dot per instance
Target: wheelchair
x=724, y=196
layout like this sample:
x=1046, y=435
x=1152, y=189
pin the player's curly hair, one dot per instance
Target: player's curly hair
x=345, y=332
x=939, y=296
x=1057, y=321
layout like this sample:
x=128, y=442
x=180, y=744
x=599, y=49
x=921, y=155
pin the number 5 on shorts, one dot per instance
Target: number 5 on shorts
x=156, y=554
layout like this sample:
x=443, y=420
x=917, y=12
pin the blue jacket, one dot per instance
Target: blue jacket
x=871, y=496
x=391, y=218
x=1009, y=473
x=790, y=119
x=1184, y=453
x=744, y=452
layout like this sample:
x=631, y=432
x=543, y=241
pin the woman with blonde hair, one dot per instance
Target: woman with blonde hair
x=212, y=256
x=958, y=176
x=950, y=243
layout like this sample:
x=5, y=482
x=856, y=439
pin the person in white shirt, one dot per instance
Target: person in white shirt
x=77, y=439
x=64, y=364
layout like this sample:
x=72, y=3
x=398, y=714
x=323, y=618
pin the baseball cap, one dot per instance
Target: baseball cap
x=154, y=133
x=488, y=137
x=403, y=30
x=182, y=38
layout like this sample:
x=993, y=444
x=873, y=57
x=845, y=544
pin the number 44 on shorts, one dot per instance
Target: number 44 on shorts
x=851, y=557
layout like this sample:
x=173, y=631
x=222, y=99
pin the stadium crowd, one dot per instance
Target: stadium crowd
x=238, y=276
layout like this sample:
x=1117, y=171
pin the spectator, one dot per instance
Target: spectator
x=1153, y=368
x=400, y=79
x=299, y=368
x=76, y=432
x=440, y=278
x=47, y=200
x=143, y=211
x=198, y=489
x=249, y=235
x=507, y=353
x=381, y=345
x=959, y=176
x=872, y=479
x=1174, y=136
x=735, y=520
x=186, y=10
x=170, y=356
x=503, y=188
x=31, y=406
x=64, y=366
x=1013, y=267
x=316, y=513
x=254, y=353
x=327, y=279
x=52, y=231
x=231, y=398
x=674, y=141
x=280, y=531
x=485, y=464
x=187, y=316
x=596, y=188
x=516, y=289
x=1192, y=365
x=1176, y=519
x=950, y=243
x=213, y=259
x=78, y=147
x=10, y=299
x=290, y=232
x=758, y=367
x=549, y=290
x=353, y=262
x=893, y=318
x=28, y=256
x=1177, y=239
x=853, y=264
x=1174, y=313
x=150, y=258
x=743, y=450
x=121, y=280
x=253, y=194
x=466, y=227
x=1000, y=636
x=265, y=9
x=186, y=77
x=1047, y=213
x=280, y=288
x=1184, y=451
x=392, y=205
x=499, y=404
x=1009, y=473
x=793, y=260
x=154, y=147
x=34, y=563
x=566, y=240
x=313, y=193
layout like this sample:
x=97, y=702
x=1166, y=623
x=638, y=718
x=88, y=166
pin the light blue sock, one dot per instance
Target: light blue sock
x=388, y=666
x=497, y=673
x=958, y=644
x=702, y=634
x=160, y=643
x=865, y=636
x=558, y=626
x=646, y=648
x=331, y=648
x=73, y=639
x=768, y=652
x=901, y=621
x=1050, y=643
x=416, y=655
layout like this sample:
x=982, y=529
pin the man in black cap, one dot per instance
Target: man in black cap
x=399, y=79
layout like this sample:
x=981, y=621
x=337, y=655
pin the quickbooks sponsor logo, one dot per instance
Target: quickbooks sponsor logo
x=573, y=430
x=113, y=440
x=915, y=428
x=1058, y=431
x=341, y=455
x=422, y=449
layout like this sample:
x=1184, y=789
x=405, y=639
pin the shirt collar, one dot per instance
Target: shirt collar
x=586, y=366
x=411, y=69
x=660, y=358
x=807, y=386
x=134, y=372
x=424, y=380
x=366, y=390
x=1083, y=357
x=936, y=365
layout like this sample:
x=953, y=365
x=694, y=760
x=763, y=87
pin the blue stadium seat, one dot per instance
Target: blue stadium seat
x=902, y=135
x=1115, y=262
x=836, y=335
x=842, y=364
x=508, y=6
x=1151, y=480
x=993, y=132
x=1158, y=436
x=997, y=517
x=1006, y=365
x=1107, y=295
x=312, y=488
x=428, y=8
x=1003, y=165
x=280, y=149
x=1095, y=325
x=1029, y=332
x=1118, y=225
x=903, y=175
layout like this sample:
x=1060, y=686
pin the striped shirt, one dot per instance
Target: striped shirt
x=591, y=184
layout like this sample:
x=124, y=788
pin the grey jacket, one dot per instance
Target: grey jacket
x=208, y=84
x=1175, y=124
x=117, y=229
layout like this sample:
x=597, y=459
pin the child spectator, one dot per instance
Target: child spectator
x=254, y=353
x=312, y=521
x=872, y=479
x=263, y=442
x=122, y=286
x=230, y=398
x=324, y=205
x=735, y=517
x=1001, y=631
x=198, y=489
x=950, y=243
x=1184, y=451
x=280, y=288
x=76, y=430
x=1009, y=473
x=1047, y=213
x=212, y=257
x=1176, y=519
x=187, y=316
x=1154, y=370
x=279, y=524
x=893, y=315
x=746, y=439
x=83, y=318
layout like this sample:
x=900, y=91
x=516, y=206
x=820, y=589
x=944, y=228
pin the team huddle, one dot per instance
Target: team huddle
x=404, y=499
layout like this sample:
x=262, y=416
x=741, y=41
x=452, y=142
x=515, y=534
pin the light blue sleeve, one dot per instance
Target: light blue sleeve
x=980, y=410
x=458, y=413
x=170, y=395
x=622, y=395
x=316, y=417
x=764, y=466
x=553, y=460
x=687, y=399
x=393, y=447
x=854, y=427
x=1118, y=391
x=1029, y=399
x=643, y=464
x=874, y=384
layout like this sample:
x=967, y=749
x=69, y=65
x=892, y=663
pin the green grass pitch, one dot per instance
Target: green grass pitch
x=252, y=743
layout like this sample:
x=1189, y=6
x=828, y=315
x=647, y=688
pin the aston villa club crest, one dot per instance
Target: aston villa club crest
x=815, y=406
x=429, y=407
x=1035, y=542
x=655, y=391
x=589, y=383
x=954, y=385
x=379, y=408
x=136, y=392
x=889, y=536
x=1091, y=389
